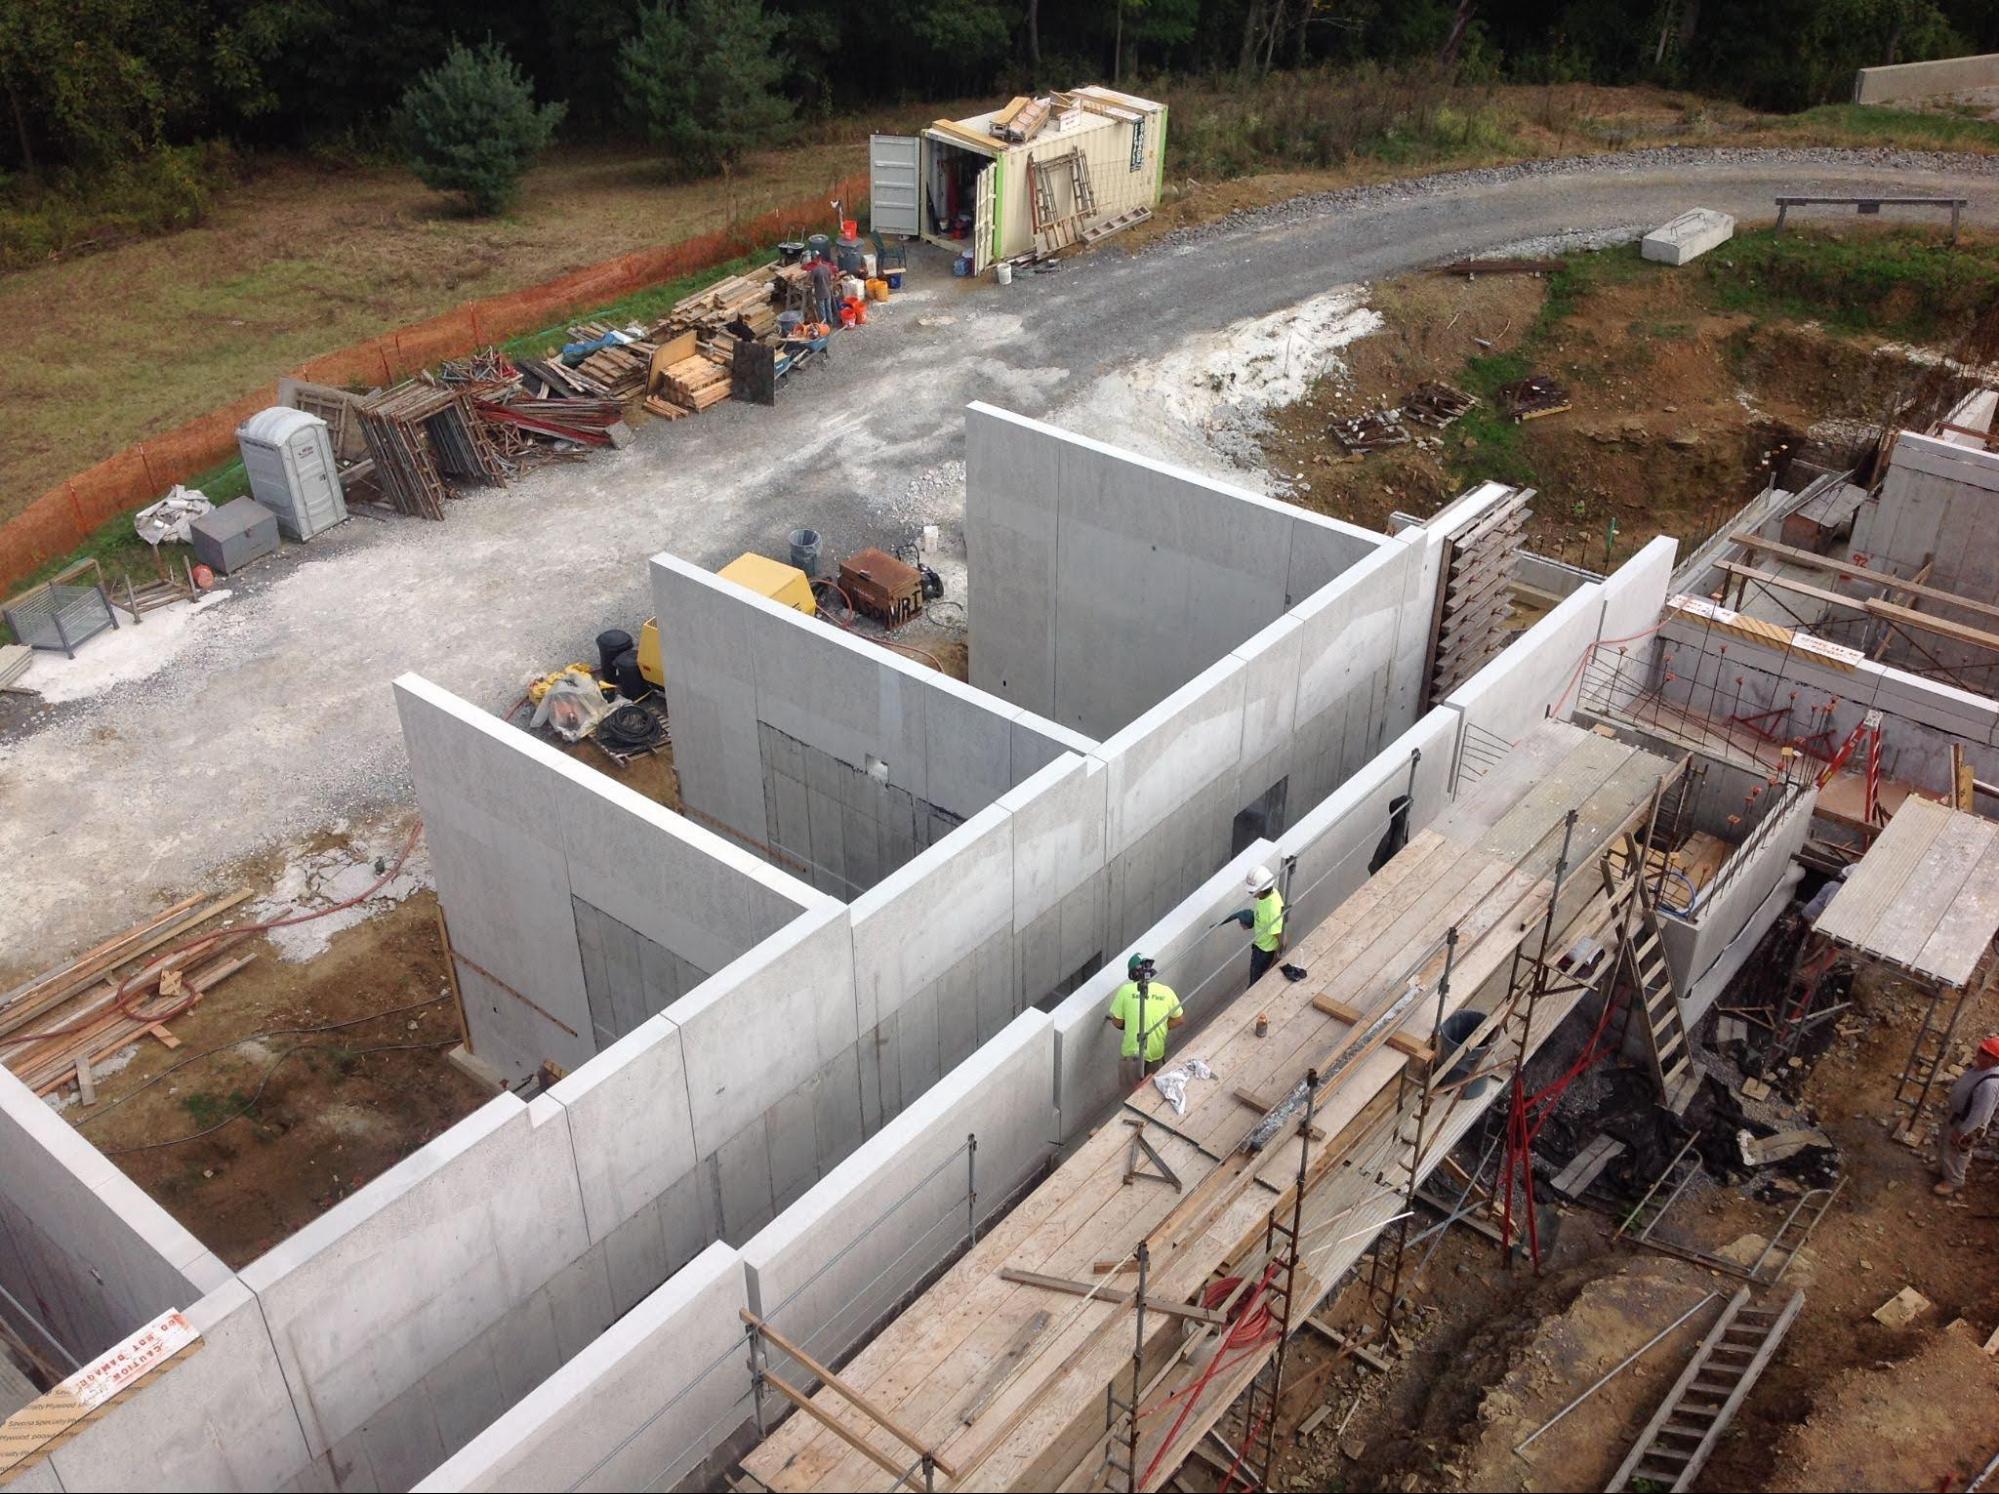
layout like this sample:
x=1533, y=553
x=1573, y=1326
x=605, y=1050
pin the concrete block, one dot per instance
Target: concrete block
x=353, y=1333
x=861, y=1240
x=637, y=1408
x=1924, y=80
x=1687, y=237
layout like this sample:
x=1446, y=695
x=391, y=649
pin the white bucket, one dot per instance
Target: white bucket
x=1003, y=272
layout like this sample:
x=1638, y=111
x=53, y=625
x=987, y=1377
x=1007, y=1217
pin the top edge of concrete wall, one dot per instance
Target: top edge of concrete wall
x=978, y=408
x=867, y=649
x=1922, y=80
x=696, y=837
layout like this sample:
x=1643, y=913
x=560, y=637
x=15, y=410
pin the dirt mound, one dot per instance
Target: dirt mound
x=1924, y=1422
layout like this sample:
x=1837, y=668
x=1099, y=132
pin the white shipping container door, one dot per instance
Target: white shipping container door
x=895, y=180
x=982, y=219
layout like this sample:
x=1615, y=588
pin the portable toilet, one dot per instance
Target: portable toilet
x=288, y=456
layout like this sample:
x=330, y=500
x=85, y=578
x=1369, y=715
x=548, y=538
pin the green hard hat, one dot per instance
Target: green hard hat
x=1133, y=965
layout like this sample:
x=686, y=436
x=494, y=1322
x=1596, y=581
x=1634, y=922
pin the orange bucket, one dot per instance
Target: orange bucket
x=850, y=228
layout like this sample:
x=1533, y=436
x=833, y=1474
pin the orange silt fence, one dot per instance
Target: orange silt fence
x=65, y=516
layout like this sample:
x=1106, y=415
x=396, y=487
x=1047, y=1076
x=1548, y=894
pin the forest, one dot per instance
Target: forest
x=94, y=84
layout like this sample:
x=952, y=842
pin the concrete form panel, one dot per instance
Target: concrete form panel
x=221, y=1420
x=1207, y=967
x=637, y=1408
x=832, y=1265
x=372, y=1296
x=85, y=1248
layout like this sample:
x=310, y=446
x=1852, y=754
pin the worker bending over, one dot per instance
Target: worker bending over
x=1973, y=1100
x=1265, y=921
x=1142, y=1009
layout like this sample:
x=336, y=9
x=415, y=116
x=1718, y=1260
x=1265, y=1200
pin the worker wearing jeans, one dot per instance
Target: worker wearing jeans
x=1973, y=1101
x=1265, y=921
x=1142, y=1008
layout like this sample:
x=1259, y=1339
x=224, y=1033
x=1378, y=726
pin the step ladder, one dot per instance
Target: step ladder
x=1654, y=998
x=1665, y=1191
x=1676, y=1443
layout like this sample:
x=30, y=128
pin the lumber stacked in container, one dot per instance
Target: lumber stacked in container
x=55, y=1027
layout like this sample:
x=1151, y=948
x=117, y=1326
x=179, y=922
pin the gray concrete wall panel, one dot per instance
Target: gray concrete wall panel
x=82, y=1247
x=1206, y=966
x=388, y=1285
x=636, y=1408
x=834, y=1264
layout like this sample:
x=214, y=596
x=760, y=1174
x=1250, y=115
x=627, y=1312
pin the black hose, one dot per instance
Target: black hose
x=631, y=728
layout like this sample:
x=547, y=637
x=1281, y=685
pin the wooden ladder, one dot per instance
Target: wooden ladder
x=1682, y=1433
x=1086, y=195
x=1650, y=974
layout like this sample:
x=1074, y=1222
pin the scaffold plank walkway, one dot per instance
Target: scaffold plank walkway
x=951, y=1368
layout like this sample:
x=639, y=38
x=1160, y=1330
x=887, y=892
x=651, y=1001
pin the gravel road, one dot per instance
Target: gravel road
x=270, y=716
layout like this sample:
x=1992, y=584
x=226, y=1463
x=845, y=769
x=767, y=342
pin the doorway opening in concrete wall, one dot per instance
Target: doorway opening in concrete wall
x=1263, y=818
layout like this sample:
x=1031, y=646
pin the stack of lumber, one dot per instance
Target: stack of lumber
x=742, y=296
x=55, y=1027
x=694, y=383
x=1002, y=1366
x=617, y=372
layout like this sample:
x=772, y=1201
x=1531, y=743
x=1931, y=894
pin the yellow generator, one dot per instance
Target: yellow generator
x=786, y=585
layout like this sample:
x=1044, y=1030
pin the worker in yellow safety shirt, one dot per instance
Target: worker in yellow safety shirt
x=1265, y=920
x=1144, y=1009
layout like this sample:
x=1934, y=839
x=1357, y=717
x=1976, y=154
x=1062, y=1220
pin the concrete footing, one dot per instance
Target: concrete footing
x=1687, y=237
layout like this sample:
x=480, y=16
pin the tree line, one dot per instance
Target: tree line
x=88, y=84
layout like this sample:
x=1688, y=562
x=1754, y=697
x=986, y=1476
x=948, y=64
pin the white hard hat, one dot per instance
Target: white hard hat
x=1260, y=879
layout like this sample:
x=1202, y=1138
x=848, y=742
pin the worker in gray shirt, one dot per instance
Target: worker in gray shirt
x=1973, y=1100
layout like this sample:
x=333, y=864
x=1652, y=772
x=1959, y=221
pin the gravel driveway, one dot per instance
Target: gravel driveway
x=270, y=715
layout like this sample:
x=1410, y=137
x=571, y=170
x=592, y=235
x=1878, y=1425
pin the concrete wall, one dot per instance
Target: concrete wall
x=841, y=758
x=1938, y=504
x=83, y=1249
x=1206, y=966
x=1920, y=717
x=530, y=847
x=835, y=1264
x=1102, y=580
x=1330, y=848
x=408, y=1316
x=637, y=1408
x=1925, y=80
x=1537, y=675
x=1739, y=896
x=221, y=1419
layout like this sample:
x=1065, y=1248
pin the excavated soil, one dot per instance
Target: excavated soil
x=1487, y=1354
x=1679, y=413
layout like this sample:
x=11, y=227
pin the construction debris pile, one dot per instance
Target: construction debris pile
x=1430, y=403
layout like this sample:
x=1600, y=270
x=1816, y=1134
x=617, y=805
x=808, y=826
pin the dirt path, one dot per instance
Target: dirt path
x=275, y=716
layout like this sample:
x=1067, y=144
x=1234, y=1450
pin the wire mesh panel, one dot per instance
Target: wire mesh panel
x=63, y=612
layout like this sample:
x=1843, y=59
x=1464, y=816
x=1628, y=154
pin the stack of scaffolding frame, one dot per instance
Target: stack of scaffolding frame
x=1021, y=1368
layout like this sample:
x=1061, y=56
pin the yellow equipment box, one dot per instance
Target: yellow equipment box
x=786, y=585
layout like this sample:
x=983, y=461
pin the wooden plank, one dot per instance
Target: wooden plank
x=1927, y=622
x=1811, y=561
x=854, y=1397
x=1003, y=1367
x=1401, y=1042
x=86, y=1085
x=16, y=1017
x=1097, y=1291
x=806, y=1404
x=94, y=961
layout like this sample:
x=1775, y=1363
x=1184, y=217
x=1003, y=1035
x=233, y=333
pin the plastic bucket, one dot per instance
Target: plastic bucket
x=805, y=550
x=895, y=280
x=820, y=245
x=850, y=228
x=788, y=323
x=867, y=265
x=962, y=266
x=1003, y=273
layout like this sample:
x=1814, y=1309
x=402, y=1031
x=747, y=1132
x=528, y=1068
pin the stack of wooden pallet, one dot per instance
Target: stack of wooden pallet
x=56, y=1026
x=419, y=435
